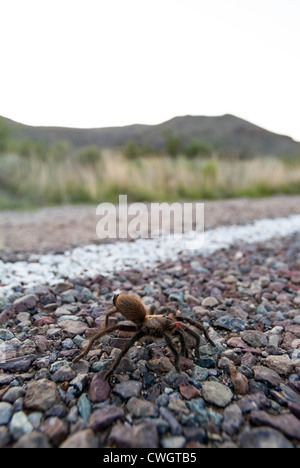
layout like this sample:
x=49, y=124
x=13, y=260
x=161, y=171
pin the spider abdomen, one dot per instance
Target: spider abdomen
x=131, y=307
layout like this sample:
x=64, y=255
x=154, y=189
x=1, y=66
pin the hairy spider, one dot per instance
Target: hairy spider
x=147, y=323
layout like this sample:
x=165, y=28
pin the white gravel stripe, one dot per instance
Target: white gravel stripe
x=106, y=259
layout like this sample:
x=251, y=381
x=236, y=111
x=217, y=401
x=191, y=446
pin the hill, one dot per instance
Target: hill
x=227, y=132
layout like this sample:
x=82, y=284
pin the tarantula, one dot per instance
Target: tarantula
x=146, y=323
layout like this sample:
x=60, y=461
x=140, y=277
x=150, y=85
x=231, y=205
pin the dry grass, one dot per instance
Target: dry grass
x=30, y=182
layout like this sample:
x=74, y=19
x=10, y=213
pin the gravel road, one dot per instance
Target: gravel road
x=58, y=228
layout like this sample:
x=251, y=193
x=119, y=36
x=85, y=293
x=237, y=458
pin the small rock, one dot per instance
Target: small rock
x=266, y=375
x=281, y=364
x=206, y=362
x=128, y=389
x=264, y=438
x=32, y=440
x=4, y=436
x=13, y=394
x=6, y=411
x=19, y=364
x=286, y=423
x=55, y=429
x=81, y=439
x=63, y=374
x=261, y=310
x=252, y=402
x=5, y=335
x=84, y=407
x=254, y=338
x=175, y=427
x=230, y=323
x=233, y=419
x=173, y=442
x=141, y=408
x=144, y=435
x=99, y=388
x=104, y=417
x=73, y=328
x=160, y=364
x=199, y=374
x=189, y=391
x=239, y=381
x=41, y=395
x=20, y=425
x=210, y=302
x=216, y=393
x=24, y=303
x=230, y=279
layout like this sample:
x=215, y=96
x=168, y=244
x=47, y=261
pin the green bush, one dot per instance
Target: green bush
x=90, y=155
x=131, y=150
x=196, y=148
x=173, y=143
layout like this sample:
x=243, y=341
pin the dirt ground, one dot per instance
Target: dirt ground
x=58, y=228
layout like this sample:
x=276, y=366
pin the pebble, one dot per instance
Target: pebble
x=173, y=442
x=5, y=335
x=32, y=440
x=99, y=389
x=55, y=429
x=141, y=408
x=128, y=389
x=72, y=327
x=24, y=303
x=264, y=438
x=41, y=395
x=20, y=425
x=216, y=393
x=233, y=419
x=144, y=435
x=281, y=364
x=230, y=323
x=81, y=439
x=269, y=376
x=288, y=424
x=104, y=417
x=254, y=338
x=6, y=412
x=210, y=302
x=19, y=364
x=84, y=407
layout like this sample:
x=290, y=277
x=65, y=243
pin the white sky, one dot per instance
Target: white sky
x=97, y=63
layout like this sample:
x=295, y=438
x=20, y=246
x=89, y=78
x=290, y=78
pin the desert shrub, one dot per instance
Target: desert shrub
x=173, y=143
x=196, y=148
x=90, y=155
x=131, y=150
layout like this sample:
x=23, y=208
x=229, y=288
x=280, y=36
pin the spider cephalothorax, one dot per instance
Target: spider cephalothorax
x=147, y=323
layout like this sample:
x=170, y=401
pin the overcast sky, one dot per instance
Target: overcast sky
x=97, y=63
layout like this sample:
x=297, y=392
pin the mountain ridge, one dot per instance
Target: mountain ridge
x=227, y=132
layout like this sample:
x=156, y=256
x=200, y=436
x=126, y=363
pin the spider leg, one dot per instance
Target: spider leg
x=197, y=338
x=152, y=310
x=129, y=328
x=198, y=325
x=174, y=351
x=135, y=338
x=93, y=339
x=109, y=312
x=184, y=348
